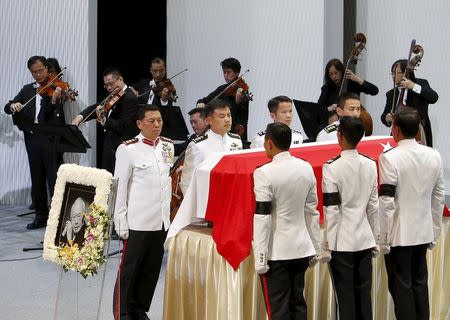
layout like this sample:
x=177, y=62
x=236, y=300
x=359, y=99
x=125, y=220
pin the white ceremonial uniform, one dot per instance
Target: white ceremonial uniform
x=291, y=230
x=411, y=194
x=328, y=133
x=202, y=146
x=411, y=203
x=286, y=232
x=141, y=218
x=350, y=203
x=258, y=139
x=144, y=188
x=350, y=190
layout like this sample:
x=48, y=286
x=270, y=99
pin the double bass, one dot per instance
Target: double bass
x=177, y=195
x=415, y=56
x=365, y=116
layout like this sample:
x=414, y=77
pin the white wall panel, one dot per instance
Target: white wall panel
x=66, y=30
x=390, y=26
x=281, y=42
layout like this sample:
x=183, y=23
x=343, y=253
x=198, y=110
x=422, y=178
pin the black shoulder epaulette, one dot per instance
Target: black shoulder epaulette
x=330, y=128
x=200, y=138
x=131, y=141
x=333, y=159
x=234, y=135
x=261, y=133
x=296, y=131
x=389, y=149
x=166, y=139
x=366, y=156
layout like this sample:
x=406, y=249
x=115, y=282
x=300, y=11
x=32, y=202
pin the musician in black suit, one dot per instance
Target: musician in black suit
x=119, y=123
x=238, y=102
x=418, y=95
x=197, y=119
x=143, y=88
x=40, y=110
x=334, y=75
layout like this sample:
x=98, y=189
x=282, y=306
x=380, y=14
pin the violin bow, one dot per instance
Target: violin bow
x=231, y=83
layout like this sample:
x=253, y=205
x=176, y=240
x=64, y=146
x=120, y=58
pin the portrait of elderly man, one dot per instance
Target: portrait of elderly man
x=74, y=227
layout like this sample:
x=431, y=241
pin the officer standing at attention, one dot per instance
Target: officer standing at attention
x=280, y=109
x=411, y=203
x=141, y=215
x=350, y=205
x=286, y=234
x=348, y=104
x=217, y=139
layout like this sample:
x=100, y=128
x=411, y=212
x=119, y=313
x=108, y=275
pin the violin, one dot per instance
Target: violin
x=365, y=116
x=165, y=84
x=50, y=86
x=109, y=102
x=239, y=84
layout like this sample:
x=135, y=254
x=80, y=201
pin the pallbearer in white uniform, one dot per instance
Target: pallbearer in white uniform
x=348, y=104
x=350, y=203
x=280, y=109
x=217, y=139
x=286, y=236
x=411, y=203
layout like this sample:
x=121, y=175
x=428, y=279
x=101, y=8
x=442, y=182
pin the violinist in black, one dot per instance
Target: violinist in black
x=160, y=96
x=47, y=110
x=418, y=95
x=237, y=99
x=119, y=123
x=333, y=77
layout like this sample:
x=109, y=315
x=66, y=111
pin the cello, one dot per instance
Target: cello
x=365, y=116
x=415, y=56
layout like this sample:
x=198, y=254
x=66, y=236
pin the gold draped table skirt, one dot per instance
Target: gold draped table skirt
x=201, y=285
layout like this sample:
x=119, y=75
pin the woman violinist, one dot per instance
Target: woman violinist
x=334, y=75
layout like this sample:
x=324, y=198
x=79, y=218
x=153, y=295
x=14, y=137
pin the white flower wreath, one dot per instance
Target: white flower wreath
x=91, y=250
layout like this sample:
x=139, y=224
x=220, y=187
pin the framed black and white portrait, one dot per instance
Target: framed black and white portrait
x=76, y=188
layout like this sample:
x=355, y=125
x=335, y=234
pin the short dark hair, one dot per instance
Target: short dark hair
x=231, y=63
x=201, y=111
x=352, y=129
x=35, y=59
x=215, y=104
x=403, y=63
x=273, y=103
x=112, y=71
x=157, y=60
x=280, y=134
x=339, y=67
x=143, y=108
x=407, y=120
x=344, y=97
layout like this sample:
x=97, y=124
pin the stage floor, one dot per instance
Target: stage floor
x=28, y=287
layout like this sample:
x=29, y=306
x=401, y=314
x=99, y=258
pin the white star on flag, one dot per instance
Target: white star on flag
x=386, y=146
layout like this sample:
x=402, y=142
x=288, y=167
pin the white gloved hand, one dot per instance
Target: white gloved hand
x=123, y=233
x=375, y=251
x=326, y=256
x=314, y=260
x=261, y=269
x=200, y=105
x=431, y=245
x=385, y=249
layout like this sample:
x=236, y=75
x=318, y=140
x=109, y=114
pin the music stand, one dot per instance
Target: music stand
x=313, y=117
x=174, y=126
x=60, y=138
